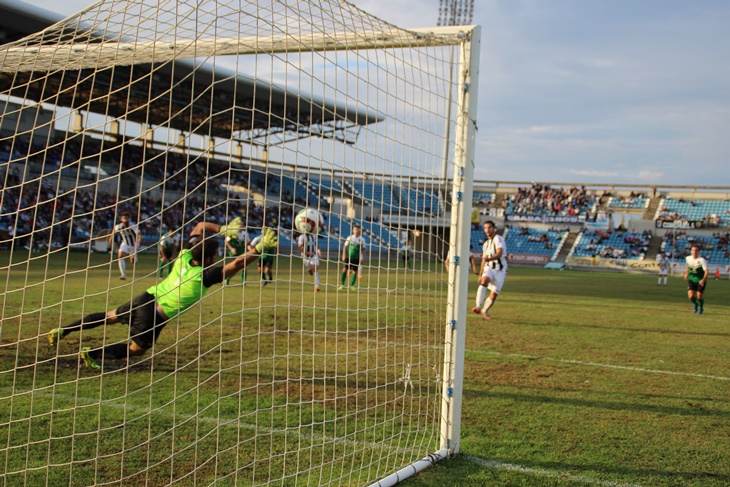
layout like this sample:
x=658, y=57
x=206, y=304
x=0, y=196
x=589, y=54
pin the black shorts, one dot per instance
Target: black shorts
x=267, y=261
x=695, y=286
x=145, y=324
x=351, y=264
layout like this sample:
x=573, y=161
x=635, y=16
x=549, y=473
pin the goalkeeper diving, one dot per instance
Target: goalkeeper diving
x=193, y=273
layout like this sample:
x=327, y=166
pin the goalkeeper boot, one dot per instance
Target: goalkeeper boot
x=89, y=361
x=55, y=336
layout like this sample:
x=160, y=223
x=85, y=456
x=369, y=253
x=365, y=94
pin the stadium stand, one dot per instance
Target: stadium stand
x=712, y=213
x=419, y=201
x=541, y=199
x=377, y=194
x=631, y=202
x=524, y=240
x=616, y=244
x=482, y=199
x=714, y=248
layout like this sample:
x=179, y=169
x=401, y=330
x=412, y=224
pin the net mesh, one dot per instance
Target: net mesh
x=177, y=113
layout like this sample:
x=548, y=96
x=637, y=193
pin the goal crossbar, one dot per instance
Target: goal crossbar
x=112, y=53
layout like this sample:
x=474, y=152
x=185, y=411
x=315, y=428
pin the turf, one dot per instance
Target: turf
x=580, y=378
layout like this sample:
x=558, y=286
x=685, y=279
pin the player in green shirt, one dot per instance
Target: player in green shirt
x=147, y=314
x=696, y=277
x=352, y=253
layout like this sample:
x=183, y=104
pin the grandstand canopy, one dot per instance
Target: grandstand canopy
x=245, y=109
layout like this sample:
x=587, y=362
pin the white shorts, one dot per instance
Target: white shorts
x=311, y=261
x=128, y=249
x=663, y=273
x=496, y=279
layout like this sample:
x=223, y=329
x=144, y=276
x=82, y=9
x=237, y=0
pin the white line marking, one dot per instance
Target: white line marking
x=607, y=366
x=493, y=464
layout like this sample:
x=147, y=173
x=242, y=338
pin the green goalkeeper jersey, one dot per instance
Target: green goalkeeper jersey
x=182, y=288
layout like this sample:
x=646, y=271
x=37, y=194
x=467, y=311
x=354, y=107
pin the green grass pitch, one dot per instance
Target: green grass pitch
x=580, y=379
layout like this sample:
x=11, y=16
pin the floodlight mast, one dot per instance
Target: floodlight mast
x=456, y=12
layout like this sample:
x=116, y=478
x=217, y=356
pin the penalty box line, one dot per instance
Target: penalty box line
x=595, y=364
x=495, y=465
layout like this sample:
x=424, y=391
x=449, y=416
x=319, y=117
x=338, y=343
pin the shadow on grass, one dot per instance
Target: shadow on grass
x=622, y=328
x=690, y=410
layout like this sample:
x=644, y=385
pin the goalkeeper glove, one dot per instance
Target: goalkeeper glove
x=268, y=243
x=232, y=229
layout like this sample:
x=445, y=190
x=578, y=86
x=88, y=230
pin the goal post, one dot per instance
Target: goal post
x=331, y=360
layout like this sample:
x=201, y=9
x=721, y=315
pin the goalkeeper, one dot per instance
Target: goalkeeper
x=147, y=314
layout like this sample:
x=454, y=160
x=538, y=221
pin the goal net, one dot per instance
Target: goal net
x=130, y=128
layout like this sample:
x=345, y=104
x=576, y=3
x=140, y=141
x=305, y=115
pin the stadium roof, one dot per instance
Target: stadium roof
x=243, y=108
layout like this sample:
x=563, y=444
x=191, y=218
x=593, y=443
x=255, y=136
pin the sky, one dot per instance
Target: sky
x=590, y=91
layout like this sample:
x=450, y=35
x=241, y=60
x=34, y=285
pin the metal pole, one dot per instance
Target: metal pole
x=462, y=192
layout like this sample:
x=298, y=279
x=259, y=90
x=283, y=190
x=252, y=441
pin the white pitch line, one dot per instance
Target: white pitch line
x=493, y=464
x=607, y=366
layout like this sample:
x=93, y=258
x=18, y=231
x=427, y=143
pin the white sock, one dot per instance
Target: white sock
x=481, y=296
x=665, y=281
x=316, y=279
x=123, y=267
x=488, y=304
x=659, y=281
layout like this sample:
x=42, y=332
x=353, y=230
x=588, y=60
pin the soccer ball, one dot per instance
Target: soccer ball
x=309, y=221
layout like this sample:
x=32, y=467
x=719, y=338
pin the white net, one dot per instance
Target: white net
x=313, y=367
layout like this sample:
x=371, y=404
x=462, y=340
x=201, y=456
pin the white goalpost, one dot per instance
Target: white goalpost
x=147, y=336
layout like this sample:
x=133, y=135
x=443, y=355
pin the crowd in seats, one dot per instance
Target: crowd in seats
x=542, y=199
x=525, y=240
x=629, y=202
x=613, y=244
x=482, y=199
x=712, y=213
x=713, y=248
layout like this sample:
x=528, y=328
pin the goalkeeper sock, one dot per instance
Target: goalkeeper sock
x=481, y=296
x=343, y=279
x=693, y=299
x=701, y=302
x=243, y=275
x=86, y=323
x=353, y=278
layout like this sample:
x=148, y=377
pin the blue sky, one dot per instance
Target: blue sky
x=594, y=91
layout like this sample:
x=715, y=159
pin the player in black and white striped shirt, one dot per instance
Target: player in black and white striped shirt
x=494, y=270
x=131, y=241
x=307, y=244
